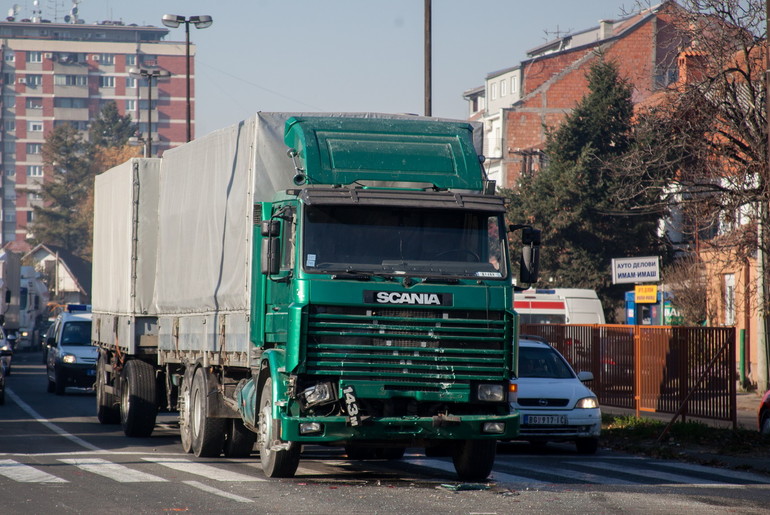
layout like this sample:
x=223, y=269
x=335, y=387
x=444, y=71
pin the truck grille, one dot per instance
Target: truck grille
x=408, y=349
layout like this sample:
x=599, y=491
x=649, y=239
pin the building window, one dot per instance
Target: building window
x=130, y=82
x=9, y=215
x=34, y=148
x=9, y=100
x=10, y=125
x=9, y=194
x=131, y=60
x=70, y=80
x=70, y=103
x=106, y=82
x=34, y=126
x=130, y=105
x=34, y=170
x=9, y=56
x=514, y=85
x=10, y=147
x=30, y=216
x=503, y=87
x=34, y=57
x=107, y=59
x=149, y=60
x=34, y=80
x=493, y=92
x=81, y=125
x=9, y=78
x=34, y=103
x=10, y=171
x=35, y=197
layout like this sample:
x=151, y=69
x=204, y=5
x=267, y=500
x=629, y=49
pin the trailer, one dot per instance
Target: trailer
x=310, y=279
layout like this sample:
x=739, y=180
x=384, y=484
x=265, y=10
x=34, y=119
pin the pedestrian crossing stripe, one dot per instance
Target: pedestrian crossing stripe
x=26, y=474
x=114, y=471
x=201, y=469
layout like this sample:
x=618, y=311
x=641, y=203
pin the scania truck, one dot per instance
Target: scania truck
x=310, y=280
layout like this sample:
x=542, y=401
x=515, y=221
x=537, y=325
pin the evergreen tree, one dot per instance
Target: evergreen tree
x=110, y=129
x=573, y=198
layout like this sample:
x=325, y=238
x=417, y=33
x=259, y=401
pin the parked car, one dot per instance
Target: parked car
x=554, y=404
x=71, y=358
x=763, y=414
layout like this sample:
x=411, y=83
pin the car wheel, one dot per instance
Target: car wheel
x=587, y=445
x=764, y=427
x=51, y=385
x=208, y=433
x=276, y=461
x=137, y=399
x=474, y=459
x=60, y=382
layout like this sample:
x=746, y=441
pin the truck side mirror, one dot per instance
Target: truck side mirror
x=530, y=255
x=271, y=253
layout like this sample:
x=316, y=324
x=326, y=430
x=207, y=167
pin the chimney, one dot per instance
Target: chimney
x=605, y=29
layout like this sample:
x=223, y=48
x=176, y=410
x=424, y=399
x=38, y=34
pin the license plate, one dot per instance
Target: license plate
x=545, y=420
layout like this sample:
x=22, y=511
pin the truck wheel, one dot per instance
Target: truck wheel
x=276, y=461
x=137, y=399
x=239, y=440
x=208, y=434
x=107, y=411
x=474, y=459
x=185, y=419
x=60, y=382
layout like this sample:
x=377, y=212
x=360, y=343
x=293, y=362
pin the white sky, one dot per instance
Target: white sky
x=345, y=55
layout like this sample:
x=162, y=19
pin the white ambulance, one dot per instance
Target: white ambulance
x=558, y=306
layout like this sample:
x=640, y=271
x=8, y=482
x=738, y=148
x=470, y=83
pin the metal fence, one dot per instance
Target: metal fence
x=687, y=371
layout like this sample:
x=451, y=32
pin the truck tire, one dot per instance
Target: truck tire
x=208, y=434
x=138, y=408
x=474, y=459
x=185, y=415
x=281, y=462
x=107, y=410
x=239, y=440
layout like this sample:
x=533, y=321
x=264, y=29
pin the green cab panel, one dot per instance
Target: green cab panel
x=345, y=150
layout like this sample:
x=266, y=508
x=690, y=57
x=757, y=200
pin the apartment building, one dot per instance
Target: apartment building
x=53, y=73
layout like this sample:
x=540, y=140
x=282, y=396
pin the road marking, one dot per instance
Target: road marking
x=563, y=475
x=201, y=469
x=496, y=475
x=26, y=474
x=217, y=491
x=731, y=474
x=113, y=471
x=53, y=427
x=647, y=473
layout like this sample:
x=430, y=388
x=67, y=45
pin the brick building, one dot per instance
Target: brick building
x=553, y=80
x=64, y=72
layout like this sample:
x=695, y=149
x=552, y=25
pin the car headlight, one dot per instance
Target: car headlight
x=587, y=402
x=491, y=392
x=69, y=358
x=5, y=347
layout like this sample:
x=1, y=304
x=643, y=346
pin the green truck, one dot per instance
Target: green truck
x=310, y=279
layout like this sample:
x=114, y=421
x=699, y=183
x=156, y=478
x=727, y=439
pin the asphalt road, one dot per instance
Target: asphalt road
x=56, y=458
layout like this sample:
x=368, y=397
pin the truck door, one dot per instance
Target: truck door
x=279, y=285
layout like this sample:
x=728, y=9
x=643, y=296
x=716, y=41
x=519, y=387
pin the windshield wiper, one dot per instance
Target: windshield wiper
x=356, y=275
x=440, y=280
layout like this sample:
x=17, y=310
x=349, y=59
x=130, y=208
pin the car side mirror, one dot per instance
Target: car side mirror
x=585, y=377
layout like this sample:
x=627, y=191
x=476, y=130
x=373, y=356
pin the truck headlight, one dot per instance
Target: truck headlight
x=69, y=358
x=587, y=402
x=491, y=392
x=321, y=393
x=494, y=427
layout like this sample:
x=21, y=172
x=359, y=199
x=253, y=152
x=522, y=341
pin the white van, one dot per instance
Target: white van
x=558, y=306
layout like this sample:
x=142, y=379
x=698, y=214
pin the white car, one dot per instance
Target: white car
x=71, y=359
x=553, y=402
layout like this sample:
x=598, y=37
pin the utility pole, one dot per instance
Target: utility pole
x=762, y=348
x=428, y=70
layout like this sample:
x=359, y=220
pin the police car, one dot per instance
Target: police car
x=71, y=358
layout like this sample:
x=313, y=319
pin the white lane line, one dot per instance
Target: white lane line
x=648, y=473
x=731, y=474
x=53, y=427
x=114, y=471
x=201, y=469
x=217, y=491
x=26, y=474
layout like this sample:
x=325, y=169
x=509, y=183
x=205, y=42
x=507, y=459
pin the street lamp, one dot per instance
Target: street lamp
x=201, y=22
x=149, y=74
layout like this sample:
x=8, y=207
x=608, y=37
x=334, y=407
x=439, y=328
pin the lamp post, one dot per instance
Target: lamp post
x=149, y=74
x=201, y=22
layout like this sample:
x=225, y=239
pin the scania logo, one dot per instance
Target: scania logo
x=411, y=298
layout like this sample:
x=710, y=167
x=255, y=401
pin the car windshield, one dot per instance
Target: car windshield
x=76, y=333
x=543, y=362
x=401, y=240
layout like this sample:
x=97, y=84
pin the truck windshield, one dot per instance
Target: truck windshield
x=401, y=240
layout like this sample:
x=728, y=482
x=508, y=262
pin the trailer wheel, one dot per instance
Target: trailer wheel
x=107, y=410
x=474, y=459
x=208, y=434
x=185, y=419
x=279, y=459
x=239, y=440
x=138, y=408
